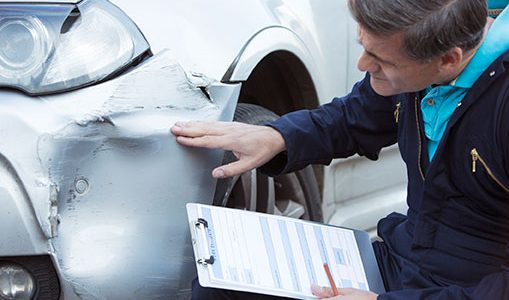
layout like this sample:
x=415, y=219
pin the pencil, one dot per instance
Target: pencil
x=331, y=280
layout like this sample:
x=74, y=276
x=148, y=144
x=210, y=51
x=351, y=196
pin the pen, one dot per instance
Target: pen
x=331, y=280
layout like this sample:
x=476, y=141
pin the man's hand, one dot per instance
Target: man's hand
x=253, y=145
x=344, y=294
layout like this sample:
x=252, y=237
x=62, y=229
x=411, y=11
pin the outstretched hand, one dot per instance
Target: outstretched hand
x=344, y=293
x=253, y=145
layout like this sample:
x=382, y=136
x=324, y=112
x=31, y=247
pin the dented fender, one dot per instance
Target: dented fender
x=105, y=183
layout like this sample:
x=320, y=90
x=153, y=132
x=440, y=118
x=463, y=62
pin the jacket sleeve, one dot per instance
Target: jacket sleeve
x=494, y=286
x=360, y=123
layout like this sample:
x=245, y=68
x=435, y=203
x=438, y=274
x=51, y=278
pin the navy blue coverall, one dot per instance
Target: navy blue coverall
x=454, y=241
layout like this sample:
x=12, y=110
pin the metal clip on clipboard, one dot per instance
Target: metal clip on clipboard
x=201, y=227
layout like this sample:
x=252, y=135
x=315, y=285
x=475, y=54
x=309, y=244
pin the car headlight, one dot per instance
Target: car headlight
x=16, y=283
x=48, y=48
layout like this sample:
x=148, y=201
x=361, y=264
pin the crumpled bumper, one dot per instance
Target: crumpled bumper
x=106, y=183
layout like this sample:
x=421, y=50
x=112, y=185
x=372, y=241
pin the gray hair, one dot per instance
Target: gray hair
x=430, y=27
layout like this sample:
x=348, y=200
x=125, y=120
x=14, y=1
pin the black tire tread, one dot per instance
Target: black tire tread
x=253, y=114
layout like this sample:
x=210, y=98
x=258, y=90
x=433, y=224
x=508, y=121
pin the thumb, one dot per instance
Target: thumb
x=234, y=168
x=321, y=291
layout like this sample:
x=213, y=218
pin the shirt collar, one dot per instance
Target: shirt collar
x=494, y=45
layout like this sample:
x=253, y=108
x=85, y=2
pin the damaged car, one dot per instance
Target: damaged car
x=93, y=185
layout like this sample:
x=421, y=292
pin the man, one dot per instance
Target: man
x=437, y=83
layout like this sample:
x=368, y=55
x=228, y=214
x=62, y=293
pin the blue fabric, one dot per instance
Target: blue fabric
x=441, y=101
x=494, y=4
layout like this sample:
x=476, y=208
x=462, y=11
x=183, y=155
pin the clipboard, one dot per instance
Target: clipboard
x=275, y=255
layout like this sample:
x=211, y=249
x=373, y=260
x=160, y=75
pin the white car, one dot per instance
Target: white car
x=93, y=185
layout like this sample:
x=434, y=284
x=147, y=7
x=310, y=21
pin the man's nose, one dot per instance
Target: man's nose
x=366, y=63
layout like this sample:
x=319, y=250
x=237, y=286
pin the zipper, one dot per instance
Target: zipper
x=396, y=112
x=477, y=158
x=419, y=135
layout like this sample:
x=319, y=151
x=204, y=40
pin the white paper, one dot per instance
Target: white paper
x=277, y=255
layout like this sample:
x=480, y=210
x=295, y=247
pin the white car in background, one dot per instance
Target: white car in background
x=93, y=185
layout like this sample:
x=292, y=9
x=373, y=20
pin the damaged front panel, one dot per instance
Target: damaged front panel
x=117, y=182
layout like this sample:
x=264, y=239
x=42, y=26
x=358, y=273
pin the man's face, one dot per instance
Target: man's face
x=392, y=72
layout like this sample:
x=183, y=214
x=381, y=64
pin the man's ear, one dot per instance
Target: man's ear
x=452, y=61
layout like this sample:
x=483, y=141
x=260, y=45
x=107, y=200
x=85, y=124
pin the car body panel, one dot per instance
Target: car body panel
x=208, y=37
x=102, y=162
x=21, y=231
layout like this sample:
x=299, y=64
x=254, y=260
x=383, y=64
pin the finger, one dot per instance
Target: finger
x=235, y=168
x=321, y=291
x=211, y=142
x=200, y=128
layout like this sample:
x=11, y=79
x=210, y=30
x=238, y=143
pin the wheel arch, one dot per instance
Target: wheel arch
x=277, y=71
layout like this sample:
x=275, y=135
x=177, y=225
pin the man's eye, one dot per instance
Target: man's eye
x=386, y=63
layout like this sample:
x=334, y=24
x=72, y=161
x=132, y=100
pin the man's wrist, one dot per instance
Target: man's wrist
x=277, y=140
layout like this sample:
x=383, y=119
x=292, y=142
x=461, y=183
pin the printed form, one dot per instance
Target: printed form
x=277, y=255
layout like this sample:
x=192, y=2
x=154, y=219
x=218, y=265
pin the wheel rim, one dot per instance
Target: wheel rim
x=290, y=197
x=257, y=192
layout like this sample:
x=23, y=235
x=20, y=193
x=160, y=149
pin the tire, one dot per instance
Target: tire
x=294, y=195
